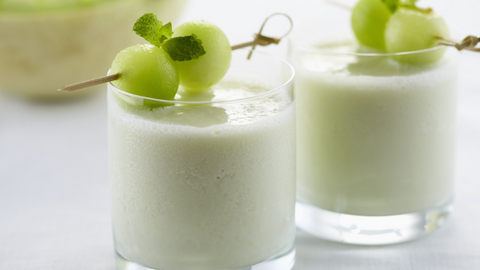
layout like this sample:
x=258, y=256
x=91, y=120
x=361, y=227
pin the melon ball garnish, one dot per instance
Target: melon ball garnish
x=368, y=22
x=146, y=70
x=412, y=30
x=398, y=26
x=196, y=56
x=200, y=74
x=152, y=70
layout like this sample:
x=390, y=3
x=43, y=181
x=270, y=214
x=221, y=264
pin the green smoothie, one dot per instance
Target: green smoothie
x=375, y=137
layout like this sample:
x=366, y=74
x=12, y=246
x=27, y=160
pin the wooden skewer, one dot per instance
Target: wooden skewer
x=243, y=45
x=92, y=82
x=259, y=40
x=469, y=43
x=111, y=78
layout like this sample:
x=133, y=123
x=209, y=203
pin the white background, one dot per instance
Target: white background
x=54, y=197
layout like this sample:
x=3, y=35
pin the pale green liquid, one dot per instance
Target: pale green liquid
x=203, y=187
x=374, y=137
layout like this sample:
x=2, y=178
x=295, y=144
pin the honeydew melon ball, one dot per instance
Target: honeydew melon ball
x=410, y=30
x=200, y=74
x=147, y=71
x=368, y=20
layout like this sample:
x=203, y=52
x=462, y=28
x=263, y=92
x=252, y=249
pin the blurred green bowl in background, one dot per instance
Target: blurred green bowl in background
x=46, y=44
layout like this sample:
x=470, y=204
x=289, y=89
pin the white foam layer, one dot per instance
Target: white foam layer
x=373, y=73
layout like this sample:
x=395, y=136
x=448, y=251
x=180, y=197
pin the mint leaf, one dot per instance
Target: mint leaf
x=152, y=30
x=147, y=27
x=179, y=48
x=165, y=32
x=392, y=5
x=184, y=48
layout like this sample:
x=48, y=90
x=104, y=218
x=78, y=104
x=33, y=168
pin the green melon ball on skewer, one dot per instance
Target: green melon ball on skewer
x=200, y=74
x=413, y=29
x=368, y=20
x=146, y=70
x=152, y=71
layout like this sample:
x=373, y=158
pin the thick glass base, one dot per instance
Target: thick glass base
x=284, y=261
x=369, y=230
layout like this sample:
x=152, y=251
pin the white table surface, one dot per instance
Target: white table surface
x=54, y=197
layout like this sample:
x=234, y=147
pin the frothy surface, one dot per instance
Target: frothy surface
x=339, y=62
x=234, y=113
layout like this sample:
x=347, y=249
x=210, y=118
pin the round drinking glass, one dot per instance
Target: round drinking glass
x=206, y=181
x=375, y=137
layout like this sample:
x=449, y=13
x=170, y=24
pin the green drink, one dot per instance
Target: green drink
x=207, y=181
x=375, y=139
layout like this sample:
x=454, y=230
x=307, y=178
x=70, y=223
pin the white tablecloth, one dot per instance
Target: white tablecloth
x=54, y=197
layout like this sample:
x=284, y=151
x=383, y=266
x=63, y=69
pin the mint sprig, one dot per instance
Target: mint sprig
x=183, y=48
x=411, y=4
x=152, y=30
x=392, y=5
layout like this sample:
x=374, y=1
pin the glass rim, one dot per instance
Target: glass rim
x=311, y=48
x=267, y=93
